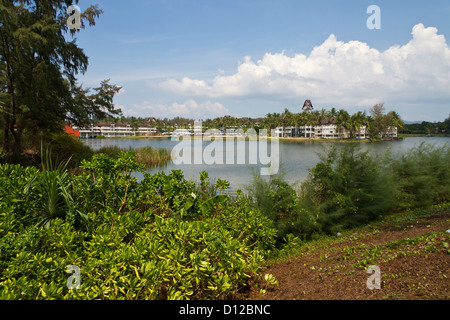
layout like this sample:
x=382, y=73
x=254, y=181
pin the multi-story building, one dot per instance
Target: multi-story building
x=146, y=131
x=107, y=129
x=329, y=130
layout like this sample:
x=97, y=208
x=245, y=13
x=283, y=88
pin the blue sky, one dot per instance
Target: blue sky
x=202, y=59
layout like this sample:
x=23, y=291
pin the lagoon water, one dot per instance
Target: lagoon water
x=296, y=158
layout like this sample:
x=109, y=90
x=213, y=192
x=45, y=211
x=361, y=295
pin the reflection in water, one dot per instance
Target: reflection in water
x=296, y=159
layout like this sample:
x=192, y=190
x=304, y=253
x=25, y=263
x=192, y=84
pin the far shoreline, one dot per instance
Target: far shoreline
x=285, y=139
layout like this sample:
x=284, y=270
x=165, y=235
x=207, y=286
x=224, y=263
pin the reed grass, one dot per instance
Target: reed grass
x=147, y=156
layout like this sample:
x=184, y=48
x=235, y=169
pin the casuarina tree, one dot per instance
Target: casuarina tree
x=40, y=61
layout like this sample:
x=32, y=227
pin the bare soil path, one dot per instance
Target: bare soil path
x=412, y=253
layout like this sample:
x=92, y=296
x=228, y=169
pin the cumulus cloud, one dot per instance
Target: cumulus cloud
x=189, y=109
x=337, y=72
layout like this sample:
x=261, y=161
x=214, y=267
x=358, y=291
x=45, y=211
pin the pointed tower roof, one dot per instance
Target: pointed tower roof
x=308, y=105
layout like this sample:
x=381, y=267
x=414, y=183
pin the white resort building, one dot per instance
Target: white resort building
x=326, y=129
x=111, y=130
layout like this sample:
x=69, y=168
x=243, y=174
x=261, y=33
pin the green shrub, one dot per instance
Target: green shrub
x=277, y=200
x=348, y=188
x=345, y=189
x=161, y=238
x=423, y=174
x=14, y=205
x=65, y=148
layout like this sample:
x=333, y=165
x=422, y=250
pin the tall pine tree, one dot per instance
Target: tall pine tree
x=39, y=64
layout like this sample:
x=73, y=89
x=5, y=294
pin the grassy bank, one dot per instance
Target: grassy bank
x=350, y=187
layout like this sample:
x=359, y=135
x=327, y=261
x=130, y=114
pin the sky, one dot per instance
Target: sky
x=246, y=58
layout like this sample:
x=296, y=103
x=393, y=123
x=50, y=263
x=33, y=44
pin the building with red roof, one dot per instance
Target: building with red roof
x=70, y=131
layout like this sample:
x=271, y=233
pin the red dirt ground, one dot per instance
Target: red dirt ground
x=413, y=256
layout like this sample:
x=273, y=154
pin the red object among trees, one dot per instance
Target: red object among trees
x=70, y=131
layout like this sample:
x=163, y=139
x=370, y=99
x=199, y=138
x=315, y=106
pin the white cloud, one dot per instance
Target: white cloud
x=344, y=73
x=190, y=109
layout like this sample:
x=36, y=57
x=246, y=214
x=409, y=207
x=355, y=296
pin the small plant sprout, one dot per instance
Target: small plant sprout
x=270, y=281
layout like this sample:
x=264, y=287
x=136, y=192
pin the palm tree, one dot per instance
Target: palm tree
x=343, y=121
x=394, y=120
x=310, y=121
x=300, y=119
x=357, y=121
x=269, y=122
x=333, y=112
x=287, y=119
x=323, y=114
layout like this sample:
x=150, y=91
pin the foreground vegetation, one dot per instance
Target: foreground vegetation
x=348, y=188
x=165, y=237
x=161, y=238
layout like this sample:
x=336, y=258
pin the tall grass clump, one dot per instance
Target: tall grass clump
x=151, y=156
x=147, y=155
x=51, y=191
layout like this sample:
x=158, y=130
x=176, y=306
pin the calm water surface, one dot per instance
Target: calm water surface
x=296, y=159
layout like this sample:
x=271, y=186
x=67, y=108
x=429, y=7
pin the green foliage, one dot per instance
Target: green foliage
x=277, y=200
x=162, y=238
x=14, y=206
x=423, y=128
x=349, y=188
x=423, y=175
x=147, y=155
x=39, y=66
x=166, y=237
x=110, y=181
x=65, y=149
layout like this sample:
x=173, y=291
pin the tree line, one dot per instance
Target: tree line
x=430, y=128
x=377, y=121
